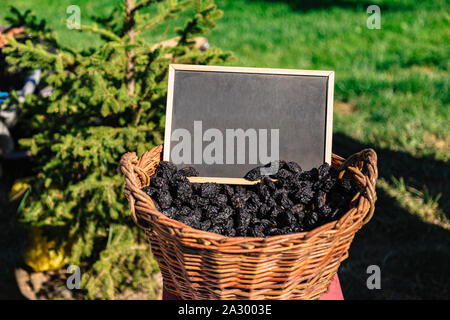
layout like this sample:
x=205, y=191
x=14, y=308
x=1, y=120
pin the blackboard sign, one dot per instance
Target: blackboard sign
x=224, y=121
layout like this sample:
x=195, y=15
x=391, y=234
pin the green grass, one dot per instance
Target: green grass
x=391, y=94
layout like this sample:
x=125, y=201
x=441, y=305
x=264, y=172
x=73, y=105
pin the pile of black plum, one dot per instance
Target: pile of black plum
x=290, y=201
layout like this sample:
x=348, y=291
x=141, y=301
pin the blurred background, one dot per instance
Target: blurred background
x=391, y=94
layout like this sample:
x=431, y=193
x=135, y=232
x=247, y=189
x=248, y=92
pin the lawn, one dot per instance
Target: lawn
x=391, y=94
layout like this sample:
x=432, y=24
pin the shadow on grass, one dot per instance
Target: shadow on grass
x=307, y=5
x=413, y=255
x=14, y=235
x=420, y=173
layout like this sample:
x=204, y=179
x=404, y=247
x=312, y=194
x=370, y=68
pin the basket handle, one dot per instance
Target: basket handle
x=365, y=160
x=137, y=173
x=127, y=164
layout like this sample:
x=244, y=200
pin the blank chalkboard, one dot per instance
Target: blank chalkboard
x=215, y=106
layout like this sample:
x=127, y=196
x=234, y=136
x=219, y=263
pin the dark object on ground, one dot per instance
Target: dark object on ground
x=296, y=201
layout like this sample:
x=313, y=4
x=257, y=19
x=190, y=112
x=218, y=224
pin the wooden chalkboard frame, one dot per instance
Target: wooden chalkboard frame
x=185, y=67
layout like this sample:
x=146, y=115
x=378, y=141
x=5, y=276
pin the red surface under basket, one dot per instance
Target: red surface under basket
x=335, y=292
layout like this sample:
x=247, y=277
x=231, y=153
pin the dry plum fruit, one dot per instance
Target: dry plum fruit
x=220, y=200
x=271, y=202
x=228, y=190
x=224, y=216
x=310, y=175
x=164, y=199
x=257, y=231
x=216, y=229
x=286, y=218
x=185, y=211
x=263, y=210
x=184, y=191
x=243, y=221
x=188, y=172
x=177, y=178
x=280, y=164
x=165, y=170
x=311, y=219
x=296, y=201
x=205, y=225
x=229, y=229
x=325, y=211
x=196, y=188
x=238, y=200
x=253, y=202
x=198, y=202
x=304, y=195
x=269, y=183
x=209, y=190
x=283, y=174
x=159, y=183
x=170, y=212
x=267, y=224
x=254, y=174
x=298, y=208
x=210, y=211
x=157, y=206
x=150, y=191
x=177, y=203
x=320, y=199
x=274, y=212
x=274, y=231
x=323, y=170
x=263, y=191
x=284, y=201
x=192, y=220
x=298, y=214
x=293, y=167
x=327, y=183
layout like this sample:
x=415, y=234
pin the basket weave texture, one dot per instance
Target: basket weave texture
x=199, y=265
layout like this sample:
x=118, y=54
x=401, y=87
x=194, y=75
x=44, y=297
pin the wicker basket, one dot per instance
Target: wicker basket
x=198, y=264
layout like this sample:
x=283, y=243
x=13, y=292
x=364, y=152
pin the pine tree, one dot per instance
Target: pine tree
x=105, y=101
